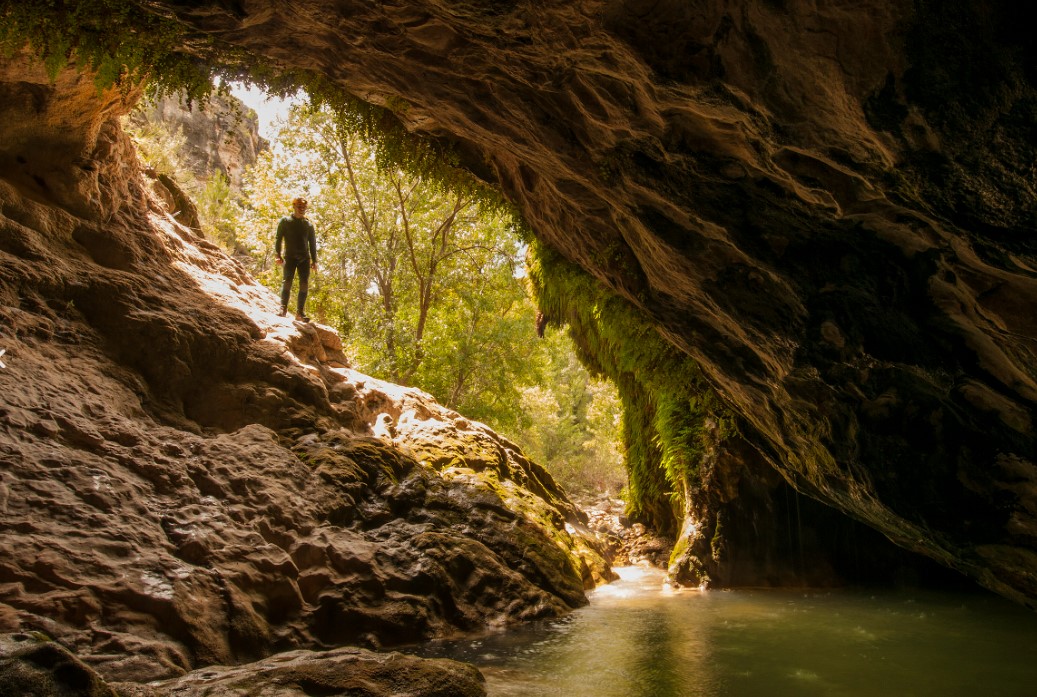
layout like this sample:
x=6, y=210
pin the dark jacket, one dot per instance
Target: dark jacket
x=300, y=240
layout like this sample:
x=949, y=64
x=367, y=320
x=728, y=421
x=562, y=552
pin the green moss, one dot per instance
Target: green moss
x=345, y=461
x=335, y=468
x=646, y=493
x=122, y=44
x=128, y=47
x=679, y=549
x=672, y=417
x=716, y=545
x=463, y=449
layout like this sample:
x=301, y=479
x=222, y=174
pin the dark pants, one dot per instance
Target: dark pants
x=290, y=267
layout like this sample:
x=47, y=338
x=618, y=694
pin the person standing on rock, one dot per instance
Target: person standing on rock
x=300, y=254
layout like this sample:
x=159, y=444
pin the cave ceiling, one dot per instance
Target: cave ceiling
x=829, y=205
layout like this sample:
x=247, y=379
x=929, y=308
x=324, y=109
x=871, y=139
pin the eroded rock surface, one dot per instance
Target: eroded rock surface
x=348, y=672
x=628, y=543
x=830, y=206
x=189, y=479
x=32, y=666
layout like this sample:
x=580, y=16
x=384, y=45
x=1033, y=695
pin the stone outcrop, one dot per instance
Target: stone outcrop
x=191, y=480
x=348, y=672
x=30, y=665
x=628, y=543
x=220, y=134
x=830, y=207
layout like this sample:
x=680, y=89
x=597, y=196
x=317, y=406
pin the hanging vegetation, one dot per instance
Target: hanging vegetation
x=666, y=400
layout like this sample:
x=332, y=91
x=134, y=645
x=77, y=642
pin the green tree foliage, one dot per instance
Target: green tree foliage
x=267, y=190
x=573, y=422
x=159, y=147
x=482, y=348
x=423, y=284
x=420, y=281
x=220, y=211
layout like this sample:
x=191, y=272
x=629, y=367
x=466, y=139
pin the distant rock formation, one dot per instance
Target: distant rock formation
x=221, y=134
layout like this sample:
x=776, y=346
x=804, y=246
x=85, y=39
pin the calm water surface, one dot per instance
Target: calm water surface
x=636, y=639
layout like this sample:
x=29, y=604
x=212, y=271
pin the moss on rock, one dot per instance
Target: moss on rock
x=667, y=402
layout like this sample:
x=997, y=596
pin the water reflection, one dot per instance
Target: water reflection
x=636, y=639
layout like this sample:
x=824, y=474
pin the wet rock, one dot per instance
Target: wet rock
x=33, y=666
x=626, y=543
x=347, y=672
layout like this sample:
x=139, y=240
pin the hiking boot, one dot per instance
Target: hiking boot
x=302, y=318
x=283, y=312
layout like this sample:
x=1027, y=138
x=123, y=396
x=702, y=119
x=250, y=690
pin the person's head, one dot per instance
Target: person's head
x=299, y=206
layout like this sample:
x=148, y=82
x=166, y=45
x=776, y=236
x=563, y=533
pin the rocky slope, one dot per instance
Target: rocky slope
x=188, y=479
x=830, y=207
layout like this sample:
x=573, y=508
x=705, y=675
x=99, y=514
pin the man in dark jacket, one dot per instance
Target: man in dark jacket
x=300, y=254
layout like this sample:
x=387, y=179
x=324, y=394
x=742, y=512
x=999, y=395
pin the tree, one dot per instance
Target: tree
x=420, y=281
x=485, y=348
x=159, y=146
x=219, y=211
x=424, y=285
x=573, y=422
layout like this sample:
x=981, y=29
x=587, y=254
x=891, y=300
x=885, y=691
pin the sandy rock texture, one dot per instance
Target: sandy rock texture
x=32, y=666
x=830, y=206
x=188, y=479
x=348, y=672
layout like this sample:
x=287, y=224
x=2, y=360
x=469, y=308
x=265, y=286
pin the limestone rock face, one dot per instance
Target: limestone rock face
x=189, y=479
x=221, y=134
x=830, y=206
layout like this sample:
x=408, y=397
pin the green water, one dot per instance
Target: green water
x=636, y=639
